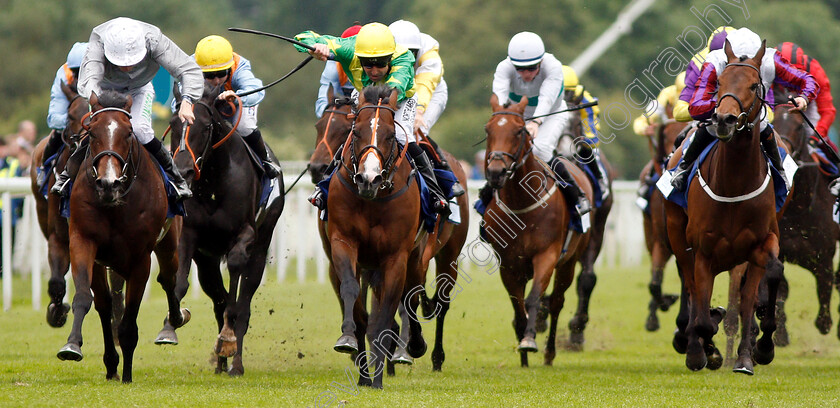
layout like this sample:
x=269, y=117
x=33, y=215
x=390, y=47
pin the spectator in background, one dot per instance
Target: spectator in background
x=26, y=135
x=477, y=172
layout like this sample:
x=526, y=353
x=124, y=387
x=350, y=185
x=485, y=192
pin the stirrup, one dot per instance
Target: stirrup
x=317, y=199
x=834, y=187
x=61, y=184
x=457, y=190
x=678, y=182
x=271, y=170
x=182, y=191
x=605, y=188
x=583, y=205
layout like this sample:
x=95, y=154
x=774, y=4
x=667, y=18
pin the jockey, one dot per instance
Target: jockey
x=124, y=55
x=692, y=71
x=530, y=72
x=645, y=125
x=222, y=66
x=372, y=58
x=430, y=88
x=67, y=74
x=587, y=151
x=774, y=69
x=334, y=75
x=822, y=112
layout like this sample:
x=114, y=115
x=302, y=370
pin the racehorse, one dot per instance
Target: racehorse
x=528, y=225
x=373, y=208
x=224, y=220
x=656, y=237
x=53, y=225
x=704, y=245
x=118, y=217
x=573, y=138
x=444, y=243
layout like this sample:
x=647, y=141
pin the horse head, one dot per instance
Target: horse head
x=193, y=145
x=373, y=146
x=332, y=128
x=788, y=124
x=740, y=92
x=508, y=143
x=112, y=145
x=76, y=112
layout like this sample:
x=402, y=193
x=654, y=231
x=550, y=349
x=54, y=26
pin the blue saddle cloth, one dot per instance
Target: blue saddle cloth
x=653, y=179
x=681, y=197
x=47, y=168
x=428, y=217
x=173, y=208
x=596, y=186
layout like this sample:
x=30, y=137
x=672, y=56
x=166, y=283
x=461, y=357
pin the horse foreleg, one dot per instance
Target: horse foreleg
x=59, y=256
x=658, y=258
x=516, y=291
x=700, y=322
x=563, y=279
x=82, y=257
x=780, y=336
x=210, y=280
x=749, y=295
x=344, y=263
x=447, y=274
x=103, y=303
x=117, y=301
x=543, y=264
x=167, y=277
x=764, y=351
x=386, y=299
x=360, y=317
x=135, y=286
x=730, y=323
x=824, y=277
x=585, y=284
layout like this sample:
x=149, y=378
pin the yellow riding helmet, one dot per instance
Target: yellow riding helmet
x=570, y=78
x=375, y=40
x=214, y=53
x=679, y=82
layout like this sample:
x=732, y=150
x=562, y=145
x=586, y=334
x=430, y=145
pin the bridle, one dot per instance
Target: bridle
x=518, y=159
x=72, y=140
x=198, y=161
x=743, y=118
x=338, y=103
x=94, y=174
x=394, y=155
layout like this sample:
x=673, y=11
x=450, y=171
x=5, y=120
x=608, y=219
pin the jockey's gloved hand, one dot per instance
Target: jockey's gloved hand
x=533, y=127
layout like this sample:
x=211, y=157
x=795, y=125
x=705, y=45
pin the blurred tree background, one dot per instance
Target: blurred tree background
x=35, y=36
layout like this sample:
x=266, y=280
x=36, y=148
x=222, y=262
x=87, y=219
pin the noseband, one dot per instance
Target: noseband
x=517, y=160
x=743, y=118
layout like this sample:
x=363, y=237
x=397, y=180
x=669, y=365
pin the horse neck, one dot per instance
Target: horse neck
x=514, y=193
x=737, y=162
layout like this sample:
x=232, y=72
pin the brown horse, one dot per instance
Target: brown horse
x=53, y=225
x=704, y=245
x=332, y=130
x=528, y=225
x=656, y=237
x=117, y=213
x=374, y=207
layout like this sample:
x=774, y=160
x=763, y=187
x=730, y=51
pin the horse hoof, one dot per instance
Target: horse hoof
x=57, y=314
x=541, y=325
x=823, y=324
x=781, y=338
x=717, y=314
x=576, y=341
x=714, y=359
x=401, y=357
x=695, y=361
x=528, y=345
x=226, y=347
x=185, y=316
x=416, y=347
x=763, y=357
x=667, y=301
x=70, y=352
x=743, y=366
x=652, y=323
x=680, y=342
x=364, y=381
x=346, y=344
x=236, y=372
x=167, y=337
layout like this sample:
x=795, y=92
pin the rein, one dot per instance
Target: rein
x=743, y=117
x=517, y=160
x=198, y=162
x=394, y=158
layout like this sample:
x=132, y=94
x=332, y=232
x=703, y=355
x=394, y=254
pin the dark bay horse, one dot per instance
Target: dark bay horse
x=528, y=225
x=656, y=237
x=117, y=219
x=444, y=244
x=705, y=245
x=53, y=225
x=224, y=220
x=374, y=207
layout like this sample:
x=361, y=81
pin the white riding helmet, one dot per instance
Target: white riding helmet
x=406, y=34
x=74, y=57
x=526, y=48
x=124, y=42
x=744, y=42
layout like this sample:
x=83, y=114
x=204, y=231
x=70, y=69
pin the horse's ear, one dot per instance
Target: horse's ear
x=727, y=48
x=94, y=101
x=176, y=91
x=523, y=103
x=68, y=92
x=330, y=96
x=392, y=100
x=760, y=54
x=128, y=101
x=494, y=102
x=362, y=99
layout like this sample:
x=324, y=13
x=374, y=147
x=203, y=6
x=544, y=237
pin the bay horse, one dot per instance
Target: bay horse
x=444, y=243
x=656, y=237
x=373, y=234
x=53, y=224
x=224, y=220
x=533, y=240
x=118, y=209
x=704, y=245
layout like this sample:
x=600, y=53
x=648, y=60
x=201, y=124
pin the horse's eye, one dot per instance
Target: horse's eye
x=754, y=86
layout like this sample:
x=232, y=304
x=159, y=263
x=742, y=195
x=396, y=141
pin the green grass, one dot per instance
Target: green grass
x=289, y=359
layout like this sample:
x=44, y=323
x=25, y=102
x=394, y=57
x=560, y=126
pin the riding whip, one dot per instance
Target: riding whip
x=573, y=108
x=808, y=121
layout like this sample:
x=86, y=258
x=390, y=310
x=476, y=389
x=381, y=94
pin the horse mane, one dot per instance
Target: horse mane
x=376, y=92
x=110, y=98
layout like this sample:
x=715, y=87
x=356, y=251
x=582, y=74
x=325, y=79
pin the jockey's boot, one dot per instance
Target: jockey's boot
x=683, y=134
x=644, y=189
x=317, y=196
x=593, y=160
x=53, y=143
x=457, y=190
x=425, y=168
x=702, y=138
x=255, y=141
x=570, y=188
x=71, y=168
x=182, y=190
x=768, y=143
